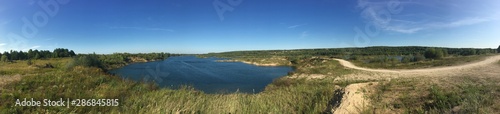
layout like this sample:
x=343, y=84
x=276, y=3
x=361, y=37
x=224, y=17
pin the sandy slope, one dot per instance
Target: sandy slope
x=352, y=102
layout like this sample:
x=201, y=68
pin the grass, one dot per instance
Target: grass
x=22, y=67
x=448, y=61
x=80, y=82
x=466, y=94
x=284, y=95
x=318, y=65
x=299, y=96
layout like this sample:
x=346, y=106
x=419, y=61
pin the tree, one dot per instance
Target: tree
x=498, y=49
x=22, y=56
x=406, y=59
x=72, y=53
x=434, y=53
x=14, y=55
x=418, y=57
x=37, y=56
x=445, y=52
x=4, y=58
x=467, y=52
x=31, y=54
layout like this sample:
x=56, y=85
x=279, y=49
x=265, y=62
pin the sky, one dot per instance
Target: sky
x=203, y=26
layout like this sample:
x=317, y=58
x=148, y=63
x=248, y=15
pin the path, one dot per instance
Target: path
x=353, y=100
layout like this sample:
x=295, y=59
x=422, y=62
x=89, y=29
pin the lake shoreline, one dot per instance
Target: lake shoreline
x=209, y=75
x=252, y=63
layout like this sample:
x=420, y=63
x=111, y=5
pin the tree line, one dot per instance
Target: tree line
x=36, y=54
x=115, y=60
x=365, y=51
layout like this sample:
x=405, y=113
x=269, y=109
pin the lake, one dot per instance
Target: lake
x=205, y=74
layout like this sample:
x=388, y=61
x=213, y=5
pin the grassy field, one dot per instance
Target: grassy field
x=284, y=95
x=395, y=64
x=463, y=94
x=467, y=94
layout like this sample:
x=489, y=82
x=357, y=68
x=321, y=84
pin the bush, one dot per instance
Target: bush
x=432, y=53
x=406, y=59
x=418, y=57
x=467, y=52
x=4, y=58
x=29, y=62
x=86, y=61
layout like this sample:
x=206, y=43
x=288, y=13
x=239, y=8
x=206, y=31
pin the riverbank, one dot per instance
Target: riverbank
x=261, y=61
x=252, y=63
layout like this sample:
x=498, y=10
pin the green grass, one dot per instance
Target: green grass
x=284, y=95
x=467, y=95
x=81, y=83
x=448, y=61
x=320, y=65
x=299, y=96
x=22, y=67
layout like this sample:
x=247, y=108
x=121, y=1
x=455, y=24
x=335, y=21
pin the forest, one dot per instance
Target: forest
x=36, y=54
x=365, y=51
x=103, y=61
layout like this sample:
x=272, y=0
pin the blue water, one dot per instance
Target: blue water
x=204, y=74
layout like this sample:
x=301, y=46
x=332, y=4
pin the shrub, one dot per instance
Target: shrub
x=29, y=62
x=86, y=61
x=418, y=57
x=432, y=53
x=407, y=59
x=467, y=52
x=4, y=58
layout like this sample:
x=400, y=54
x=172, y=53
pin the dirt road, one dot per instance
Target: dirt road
x=488, y=61
x=487, y=67
x=354, y=102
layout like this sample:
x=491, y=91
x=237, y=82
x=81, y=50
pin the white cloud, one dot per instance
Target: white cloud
x=403, y=30
x=463, y=22
x=415, y=22
x=144, y=28
x=295, y=26
x=35, y=47
x=304, y=34
x=2, y=44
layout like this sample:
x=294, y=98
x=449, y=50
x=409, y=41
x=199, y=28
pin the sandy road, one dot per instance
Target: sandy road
x=353, y=100
x=488, y=61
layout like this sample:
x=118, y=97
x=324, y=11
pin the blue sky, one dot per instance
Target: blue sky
x=202, y=26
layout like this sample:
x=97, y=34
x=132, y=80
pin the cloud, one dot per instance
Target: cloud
x=412, y=27
x=144, y=28
x=304, y=34
x=35, y=47
x=414, y=22
x=295, y=26
x=3, y=44
x=403, y=30
x=463, y=22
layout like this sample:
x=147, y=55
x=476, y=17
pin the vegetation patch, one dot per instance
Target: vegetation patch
x=294, y=96
x=389, y=62
x=415, y=96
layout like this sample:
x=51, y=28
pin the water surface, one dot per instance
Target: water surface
x=205, y=74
